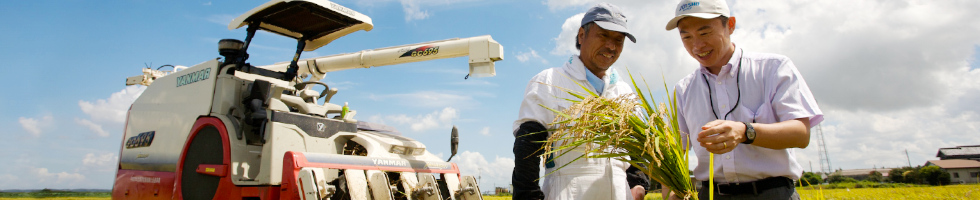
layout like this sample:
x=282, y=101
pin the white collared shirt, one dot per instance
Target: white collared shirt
x=565, y=77
x=772, y=90
x=592, y=178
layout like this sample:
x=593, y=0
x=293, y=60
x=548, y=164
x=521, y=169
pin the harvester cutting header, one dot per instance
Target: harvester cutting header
x=225, y=129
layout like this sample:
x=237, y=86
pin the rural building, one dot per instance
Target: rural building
x=862, y=174
x=960, y=170
x=502, y=190
x=971, y=152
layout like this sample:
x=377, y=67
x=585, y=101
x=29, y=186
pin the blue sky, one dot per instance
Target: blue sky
x=887, y=80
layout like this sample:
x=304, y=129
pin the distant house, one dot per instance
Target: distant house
x=501, y=190
x=971, y=152
x=960, y=170
x=862, y=174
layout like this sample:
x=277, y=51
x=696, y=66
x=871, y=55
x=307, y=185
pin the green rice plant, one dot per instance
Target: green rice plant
x=633, y=126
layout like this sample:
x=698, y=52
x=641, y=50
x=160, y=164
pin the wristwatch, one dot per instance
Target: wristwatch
x=749, y=133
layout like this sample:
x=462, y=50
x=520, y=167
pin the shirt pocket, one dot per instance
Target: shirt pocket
x=762, y=114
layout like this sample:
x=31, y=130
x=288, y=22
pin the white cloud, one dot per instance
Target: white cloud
x=437, y=119
x=529, y=56
x=496, y=173
x=888, y=78
x=220, y=19
x=34, y=126
x=44, y=176
x=208, y=3
x=102, y=163
x=429, y=99
x=95, y=128
x=114, y=108
x=413, y=11
x=485, y=131
x=565, y=42
x=109, y=112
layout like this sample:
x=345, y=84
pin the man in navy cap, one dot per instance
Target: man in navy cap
x=600, y=42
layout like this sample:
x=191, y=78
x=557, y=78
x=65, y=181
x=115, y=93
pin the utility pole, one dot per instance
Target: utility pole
x=811, y=166
x=907, y=158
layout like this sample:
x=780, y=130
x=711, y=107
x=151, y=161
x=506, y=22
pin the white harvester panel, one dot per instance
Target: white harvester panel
x=312, y=184
x=378, y=180
x=452, y=184
x=357, y=185
x=469, y=189
x=427, y=188
x=409, y=182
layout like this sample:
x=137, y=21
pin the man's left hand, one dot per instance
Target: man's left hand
x=721, y=136
x=638, y=192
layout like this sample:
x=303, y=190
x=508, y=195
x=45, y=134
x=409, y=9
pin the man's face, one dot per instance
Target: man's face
x=599, y=47
x=707, y=40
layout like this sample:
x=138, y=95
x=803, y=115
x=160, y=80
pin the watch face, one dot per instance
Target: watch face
x=751, y=134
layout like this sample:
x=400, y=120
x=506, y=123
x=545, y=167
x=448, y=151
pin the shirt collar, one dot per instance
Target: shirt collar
x=576, y=68
x=728, y=68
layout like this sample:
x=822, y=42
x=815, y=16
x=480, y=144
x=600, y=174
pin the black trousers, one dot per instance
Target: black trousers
x=780, y=193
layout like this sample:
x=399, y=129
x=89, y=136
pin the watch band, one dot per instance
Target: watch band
x=749, y=133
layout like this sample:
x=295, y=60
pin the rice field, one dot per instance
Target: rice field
x=912, y=193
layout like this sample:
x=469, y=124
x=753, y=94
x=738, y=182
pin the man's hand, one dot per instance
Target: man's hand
x=721, y=136
x=673, y=196
x=638, y=192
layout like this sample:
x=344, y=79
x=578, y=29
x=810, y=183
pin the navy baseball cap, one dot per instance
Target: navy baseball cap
x=609, y=17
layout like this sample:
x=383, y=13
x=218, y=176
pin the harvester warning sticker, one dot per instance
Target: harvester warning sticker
x=194, y=77
x=427, y=50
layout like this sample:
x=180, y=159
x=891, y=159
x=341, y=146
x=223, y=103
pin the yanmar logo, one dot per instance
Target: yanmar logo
x=390, y=163
x=194, y=77
x=688, y=6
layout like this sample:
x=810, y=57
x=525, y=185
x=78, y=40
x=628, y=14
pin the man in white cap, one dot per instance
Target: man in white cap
x=600, y=42
x=751, y=109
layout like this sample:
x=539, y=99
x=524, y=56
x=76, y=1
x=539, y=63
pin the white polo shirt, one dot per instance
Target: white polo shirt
x=772, y=90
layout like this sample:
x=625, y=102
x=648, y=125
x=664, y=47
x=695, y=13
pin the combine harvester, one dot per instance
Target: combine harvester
x=225, y=129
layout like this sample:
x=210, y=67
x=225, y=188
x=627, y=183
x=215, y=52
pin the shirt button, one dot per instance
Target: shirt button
x=724, y=106
x=728, y=157
x=719, y=82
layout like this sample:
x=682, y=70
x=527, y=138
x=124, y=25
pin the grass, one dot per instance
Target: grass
x=47, y=193
x=971, y=191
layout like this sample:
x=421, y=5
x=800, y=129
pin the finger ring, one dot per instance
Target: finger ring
x=726, y=144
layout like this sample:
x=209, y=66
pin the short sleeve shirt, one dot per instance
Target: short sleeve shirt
x=768, y=89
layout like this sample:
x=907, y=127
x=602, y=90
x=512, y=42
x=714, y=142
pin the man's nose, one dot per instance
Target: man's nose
x=613, y=45
x=698, y=43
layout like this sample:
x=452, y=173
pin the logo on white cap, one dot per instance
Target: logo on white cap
x=688, y=6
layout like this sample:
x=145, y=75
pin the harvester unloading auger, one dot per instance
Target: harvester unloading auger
x=224, y=129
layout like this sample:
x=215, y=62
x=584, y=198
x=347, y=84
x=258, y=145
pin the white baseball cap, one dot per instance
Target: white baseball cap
x=704, y=9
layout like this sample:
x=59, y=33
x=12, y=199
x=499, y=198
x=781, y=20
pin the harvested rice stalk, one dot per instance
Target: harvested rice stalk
x=629, y=125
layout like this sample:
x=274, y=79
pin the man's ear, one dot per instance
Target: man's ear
x=731, y=25
x=580, y=36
